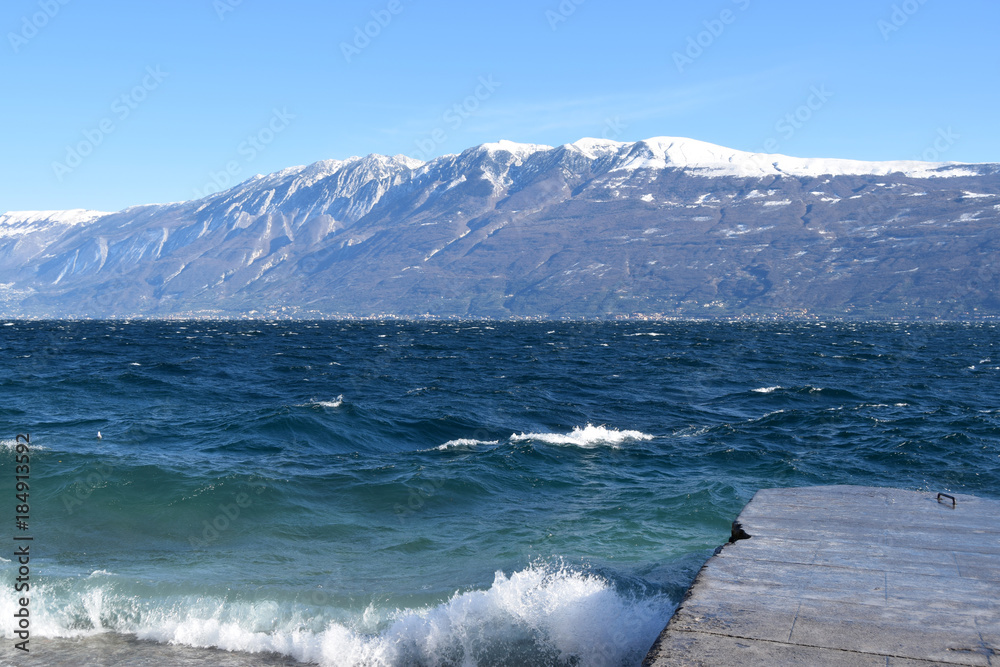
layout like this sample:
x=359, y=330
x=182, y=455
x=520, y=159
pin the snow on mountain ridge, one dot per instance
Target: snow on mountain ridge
x=522, y=229
x=316, y=171
x=341, y=188
x=411, y=162
x=348, y=177
x=519, y=151
x=697, y=157
x=305, y=176
x=20, y=223
x=72, y=216
x=597, y=148
x=704, y=158
x=707, y=159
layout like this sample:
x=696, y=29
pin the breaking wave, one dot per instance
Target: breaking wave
x=588, y=436
x=540, y=615
x=465, y=442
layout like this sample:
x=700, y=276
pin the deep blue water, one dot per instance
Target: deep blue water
x=476, y=493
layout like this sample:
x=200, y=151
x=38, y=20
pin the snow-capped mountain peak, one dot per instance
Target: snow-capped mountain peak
x=316, y=171
x=410, y=162
x=703, y=158
x=519, y=151
x=19, y=223
x=597, y=148
x=668, y=225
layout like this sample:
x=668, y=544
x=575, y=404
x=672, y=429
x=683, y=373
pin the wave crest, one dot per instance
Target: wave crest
x=335, y=403
x=10, y=444
x=588, y=437
x=540, y=615
x=465, y=442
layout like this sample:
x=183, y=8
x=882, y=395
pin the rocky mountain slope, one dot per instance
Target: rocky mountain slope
x=664, y=226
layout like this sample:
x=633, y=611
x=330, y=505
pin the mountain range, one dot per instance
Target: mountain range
x=663, y=227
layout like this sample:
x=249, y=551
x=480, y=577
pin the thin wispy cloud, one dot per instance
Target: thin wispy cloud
x=575, y=117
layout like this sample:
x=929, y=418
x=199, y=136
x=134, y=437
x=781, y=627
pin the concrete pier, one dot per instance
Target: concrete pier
x=846, y=575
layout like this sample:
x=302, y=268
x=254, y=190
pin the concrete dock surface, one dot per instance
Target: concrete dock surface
x=846, y=575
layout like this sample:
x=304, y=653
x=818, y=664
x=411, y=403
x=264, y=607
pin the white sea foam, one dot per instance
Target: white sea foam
x=552, y=613
x=692, y=431
x=12, y=443
x=335, y=403
x=766, y=390
x=589, y=436
x=466, y=442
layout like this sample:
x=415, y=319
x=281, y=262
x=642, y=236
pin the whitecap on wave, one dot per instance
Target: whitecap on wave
x=766, y=390
x=588, y=436
x=539, y=615
x=335, y=403
x=12, y=443
x=465, y=442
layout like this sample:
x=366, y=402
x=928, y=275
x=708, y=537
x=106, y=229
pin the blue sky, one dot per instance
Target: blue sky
x=112, y=103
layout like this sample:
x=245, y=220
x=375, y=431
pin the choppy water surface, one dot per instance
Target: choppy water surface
x=393, y=493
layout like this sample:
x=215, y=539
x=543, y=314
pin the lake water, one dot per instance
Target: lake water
x=441, y=493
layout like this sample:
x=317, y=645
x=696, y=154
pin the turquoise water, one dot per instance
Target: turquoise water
x=479, y=493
